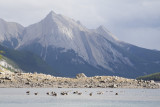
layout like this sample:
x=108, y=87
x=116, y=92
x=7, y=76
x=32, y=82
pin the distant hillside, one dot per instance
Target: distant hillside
x=155, y=77
x=26, y=61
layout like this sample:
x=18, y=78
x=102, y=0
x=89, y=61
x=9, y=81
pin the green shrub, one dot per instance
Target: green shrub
x=155, y=77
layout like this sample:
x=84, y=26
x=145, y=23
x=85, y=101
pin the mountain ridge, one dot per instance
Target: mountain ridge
x=71, y=48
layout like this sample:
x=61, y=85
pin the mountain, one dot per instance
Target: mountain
x=23, y=61
x=71, y=48
x=10, y=33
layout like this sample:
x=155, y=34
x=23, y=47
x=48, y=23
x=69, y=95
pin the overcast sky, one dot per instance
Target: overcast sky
x=133, y=21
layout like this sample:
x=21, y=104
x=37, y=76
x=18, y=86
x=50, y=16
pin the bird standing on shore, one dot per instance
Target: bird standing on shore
x=90, y=94
x=54, y=93
x=36, y=93
x=28, y=92
x=47, y=93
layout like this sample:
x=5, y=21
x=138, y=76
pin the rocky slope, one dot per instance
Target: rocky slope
x=10, y=33
x=22, y=61
x=5, y=67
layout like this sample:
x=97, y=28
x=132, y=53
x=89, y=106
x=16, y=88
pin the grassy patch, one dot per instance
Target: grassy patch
x=155, y=77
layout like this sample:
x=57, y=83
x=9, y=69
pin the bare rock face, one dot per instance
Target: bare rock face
x=81, y=75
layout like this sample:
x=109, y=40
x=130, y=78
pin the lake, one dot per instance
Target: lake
x=17, y=97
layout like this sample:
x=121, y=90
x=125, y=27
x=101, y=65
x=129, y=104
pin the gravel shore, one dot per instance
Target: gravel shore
x=34, y=80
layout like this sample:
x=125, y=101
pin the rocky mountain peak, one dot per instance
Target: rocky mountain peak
x=107, y=34
x=51, y=12
x=50, y=15
x=10, y=33
x=62, y=41
x=101, y=27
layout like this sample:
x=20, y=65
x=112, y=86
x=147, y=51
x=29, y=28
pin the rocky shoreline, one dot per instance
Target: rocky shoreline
x=34, y=80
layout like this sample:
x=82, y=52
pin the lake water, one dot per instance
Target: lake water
x=16, y=97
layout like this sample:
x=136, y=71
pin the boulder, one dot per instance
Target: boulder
x=152, y=81
x=81, y=75
x=2, y=73
x=8, y=77
x=113, y=86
